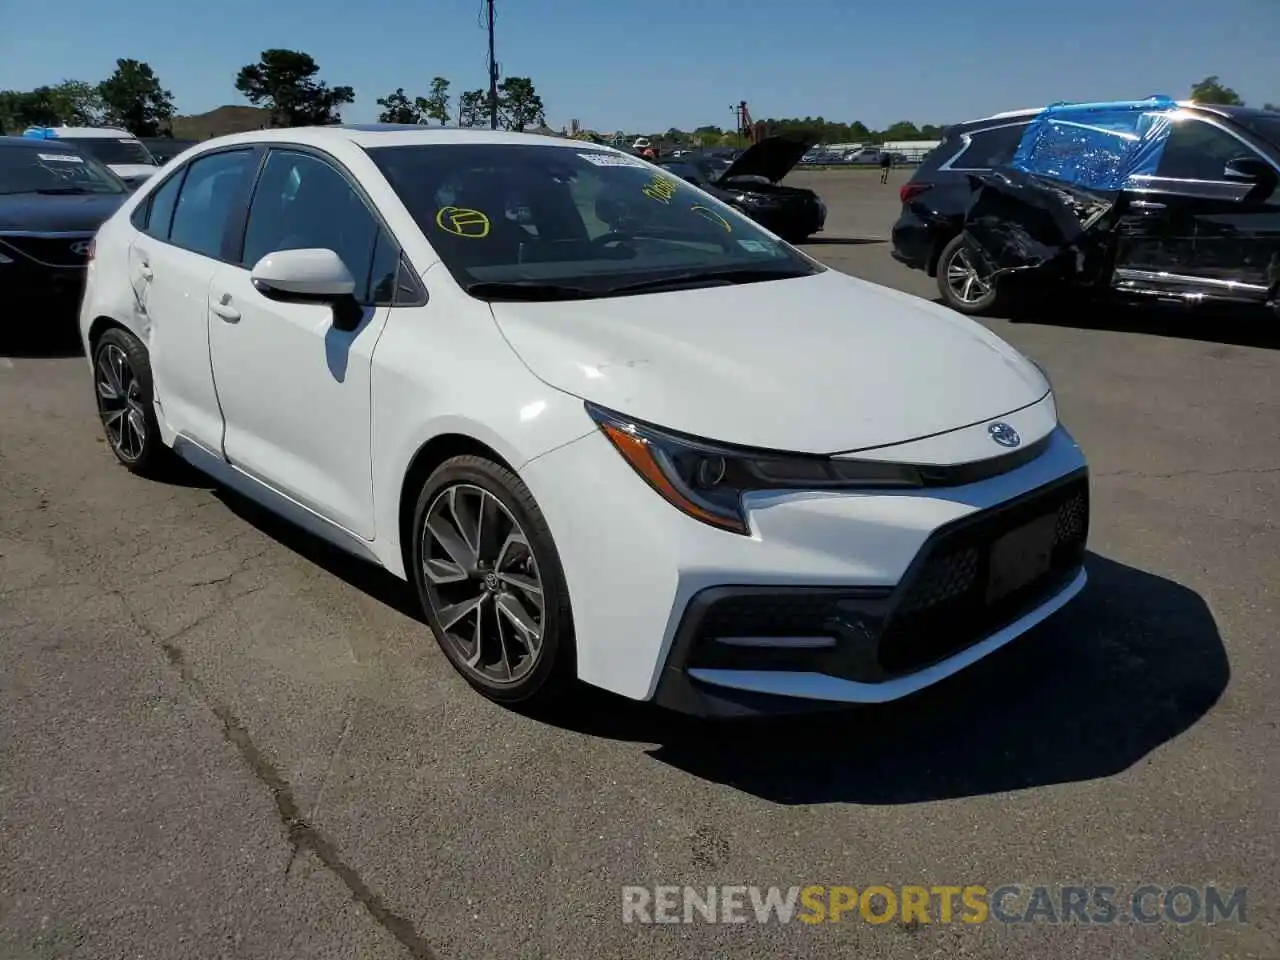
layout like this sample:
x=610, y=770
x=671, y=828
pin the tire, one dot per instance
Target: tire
x=976, y=296
x=516, y=552
x=126, y=403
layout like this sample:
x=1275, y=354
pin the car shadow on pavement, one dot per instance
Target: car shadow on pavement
x=1131, y=664
x=46, y=343
x=1255, y=327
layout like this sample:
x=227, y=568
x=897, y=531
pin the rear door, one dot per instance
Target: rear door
x=171, y=263
x=1195, y=229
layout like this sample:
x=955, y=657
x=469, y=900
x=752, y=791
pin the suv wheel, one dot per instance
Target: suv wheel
x=965, y=279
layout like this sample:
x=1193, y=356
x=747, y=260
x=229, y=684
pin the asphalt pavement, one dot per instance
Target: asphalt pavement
x=219, y=738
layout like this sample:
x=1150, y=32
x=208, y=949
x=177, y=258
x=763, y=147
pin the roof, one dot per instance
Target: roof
x=392, y=135
x=1220, y=109
x=34, y=144
x=53, y=133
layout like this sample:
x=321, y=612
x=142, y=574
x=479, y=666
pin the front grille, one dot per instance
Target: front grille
x=944, y=608
x=50, y=251
x=938, y=609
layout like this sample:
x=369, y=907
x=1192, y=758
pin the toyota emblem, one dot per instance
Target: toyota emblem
x=1004, y=435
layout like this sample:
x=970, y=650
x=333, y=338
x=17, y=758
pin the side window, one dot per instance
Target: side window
x=383, y=270
x=211, y=188
x=162, y=204
x=303, y=202
x=990, y=148
x=1198, y=151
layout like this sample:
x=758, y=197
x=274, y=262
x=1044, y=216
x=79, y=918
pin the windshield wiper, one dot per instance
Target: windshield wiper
x=527, y=290
x=729, y=276
x=60, y=191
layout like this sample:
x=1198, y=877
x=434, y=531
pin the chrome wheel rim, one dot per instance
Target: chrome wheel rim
x=483, y=582
x=963, y=278
x=120, y=403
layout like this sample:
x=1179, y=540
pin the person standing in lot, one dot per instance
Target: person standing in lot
x=886, y=163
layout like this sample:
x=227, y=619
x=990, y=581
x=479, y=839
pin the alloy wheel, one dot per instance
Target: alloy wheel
x=963, y=277
x=483, y=582
x=120, y=403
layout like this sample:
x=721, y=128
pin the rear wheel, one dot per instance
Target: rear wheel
x=123, y=387
x=965, y=279
x=489, y=579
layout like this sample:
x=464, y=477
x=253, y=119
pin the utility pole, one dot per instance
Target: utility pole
x=493, y=75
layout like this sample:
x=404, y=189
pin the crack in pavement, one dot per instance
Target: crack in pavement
x=1240, y=471
x=302, y=834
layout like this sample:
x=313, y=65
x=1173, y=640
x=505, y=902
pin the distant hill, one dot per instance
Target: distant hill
x=220, y=122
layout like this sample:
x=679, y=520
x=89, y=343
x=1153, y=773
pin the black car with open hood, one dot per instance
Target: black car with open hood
x=752, y=184
x=52, y=201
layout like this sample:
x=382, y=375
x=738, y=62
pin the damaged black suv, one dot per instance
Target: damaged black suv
x=1144, y=198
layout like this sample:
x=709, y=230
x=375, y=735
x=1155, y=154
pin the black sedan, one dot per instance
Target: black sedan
x=52, y=201
x=751, y=183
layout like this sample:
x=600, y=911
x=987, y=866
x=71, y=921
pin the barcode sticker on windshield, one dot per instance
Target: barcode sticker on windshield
x=613, y=160
x=61, y=157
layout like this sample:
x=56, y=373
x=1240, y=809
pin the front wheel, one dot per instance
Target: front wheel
x=490, y=582
x=965, y=280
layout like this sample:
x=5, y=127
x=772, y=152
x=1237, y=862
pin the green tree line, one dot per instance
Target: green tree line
x=286, y=84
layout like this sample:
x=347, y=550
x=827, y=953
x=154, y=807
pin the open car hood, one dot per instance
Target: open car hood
x=771, y=158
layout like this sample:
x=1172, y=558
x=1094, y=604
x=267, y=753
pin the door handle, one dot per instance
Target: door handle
x=227, y=312
x=1146, y=205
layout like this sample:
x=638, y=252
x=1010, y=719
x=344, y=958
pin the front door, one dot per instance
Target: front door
x=1194, y=228
x=294, y=389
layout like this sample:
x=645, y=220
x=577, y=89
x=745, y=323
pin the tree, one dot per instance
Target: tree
x=1271, y=106
x=284, y=82
x=436, y=104
x=133, y=98
x=519, y=105
x=72, y=103
x=473, y=108
x=1209, y=90
x=398, y=108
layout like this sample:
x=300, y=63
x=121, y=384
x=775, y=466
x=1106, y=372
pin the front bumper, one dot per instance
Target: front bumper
x=33, y=276
x=891, y=575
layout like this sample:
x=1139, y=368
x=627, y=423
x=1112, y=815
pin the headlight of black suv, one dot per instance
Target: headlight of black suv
x=707, y=480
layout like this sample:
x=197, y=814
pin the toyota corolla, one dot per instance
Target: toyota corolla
x=607, y=427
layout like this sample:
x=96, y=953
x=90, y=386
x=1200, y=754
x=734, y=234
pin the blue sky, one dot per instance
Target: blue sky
x=659, y=63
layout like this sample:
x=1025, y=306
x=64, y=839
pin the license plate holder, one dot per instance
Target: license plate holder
x=1020, y=556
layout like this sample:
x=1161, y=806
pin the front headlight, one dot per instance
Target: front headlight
x=707, y=480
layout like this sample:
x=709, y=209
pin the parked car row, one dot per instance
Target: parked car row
x=1161, y=200
x=623, y=435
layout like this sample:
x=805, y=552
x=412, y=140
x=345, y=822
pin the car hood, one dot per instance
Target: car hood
x=771, y=158
x=820, y=364
x=44, y=213
x=132, y=171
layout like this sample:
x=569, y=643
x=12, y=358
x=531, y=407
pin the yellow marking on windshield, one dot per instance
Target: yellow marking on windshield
x=712, y=216
x=463, y=222
x=660, y=189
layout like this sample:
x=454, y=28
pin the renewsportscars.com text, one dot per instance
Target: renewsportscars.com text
x=1009, y=903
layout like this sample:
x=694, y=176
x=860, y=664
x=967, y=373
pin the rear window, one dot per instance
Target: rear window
x=990, y=148
x=112, y=149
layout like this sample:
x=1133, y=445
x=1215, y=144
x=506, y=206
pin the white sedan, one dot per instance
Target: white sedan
x=609, y=428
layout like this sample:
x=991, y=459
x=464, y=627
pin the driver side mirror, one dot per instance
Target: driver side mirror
x=309, y=276
x=1249, y=170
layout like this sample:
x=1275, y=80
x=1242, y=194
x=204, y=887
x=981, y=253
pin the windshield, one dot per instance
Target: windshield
x=51, y=170
x=112, y=149
x=1264, y=125
x=584, y=220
